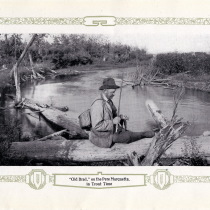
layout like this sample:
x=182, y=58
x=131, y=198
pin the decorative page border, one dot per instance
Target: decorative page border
x=161, y=179
x=103, y=21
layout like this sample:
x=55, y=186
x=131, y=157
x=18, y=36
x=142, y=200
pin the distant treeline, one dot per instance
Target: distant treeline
x=195, y=63
x=61, y=51
x=69, y=50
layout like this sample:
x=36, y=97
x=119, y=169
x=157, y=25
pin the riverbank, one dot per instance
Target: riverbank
x=46, y=71
x=195, y=82
x=198, y=82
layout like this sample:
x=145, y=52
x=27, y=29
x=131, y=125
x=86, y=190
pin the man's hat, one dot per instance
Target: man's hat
x=108, y=83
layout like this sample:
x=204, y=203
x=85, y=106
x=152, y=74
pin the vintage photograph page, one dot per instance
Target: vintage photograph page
x=104, y=105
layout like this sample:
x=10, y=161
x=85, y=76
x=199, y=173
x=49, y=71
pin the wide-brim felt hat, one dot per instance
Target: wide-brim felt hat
x=108, y=83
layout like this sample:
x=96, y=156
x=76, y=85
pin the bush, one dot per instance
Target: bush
x=170, y=63
x=10, y=132
x=69, y=50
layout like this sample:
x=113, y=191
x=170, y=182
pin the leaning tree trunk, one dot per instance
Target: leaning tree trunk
x=24, y=52
x=32, y=65
x=15, y=70
x=17, y=84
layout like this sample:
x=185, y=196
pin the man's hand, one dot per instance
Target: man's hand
x=124, y=117
x=116, y=120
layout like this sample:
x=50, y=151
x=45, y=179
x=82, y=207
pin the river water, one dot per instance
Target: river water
x=78, y=92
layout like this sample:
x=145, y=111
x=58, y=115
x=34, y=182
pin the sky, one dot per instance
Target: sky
x=162, y=39
x=159, y=39
x=162, y=43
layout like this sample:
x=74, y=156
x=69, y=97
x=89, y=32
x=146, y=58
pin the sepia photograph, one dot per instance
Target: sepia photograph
x=123, y=99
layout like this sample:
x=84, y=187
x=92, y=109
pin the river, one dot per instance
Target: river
x=78, y=92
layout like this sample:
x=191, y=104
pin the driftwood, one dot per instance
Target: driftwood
x=85, y=151
x=59, y=133
x=144, y=81
x=80, y=150
x=63, y=109
x=159, y=84
x=161, y=142
x=35, y=75
x=170, y=132
x=66, y=120
x=156, y=113
x=152, y=77
x=161, y=80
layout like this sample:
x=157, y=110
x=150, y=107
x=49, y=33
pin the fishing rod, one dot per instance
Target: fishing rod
x=118, y=110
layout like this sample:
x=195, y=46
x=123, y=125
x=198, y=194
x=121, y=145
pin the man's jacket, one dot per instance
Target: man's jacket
x=102, y=130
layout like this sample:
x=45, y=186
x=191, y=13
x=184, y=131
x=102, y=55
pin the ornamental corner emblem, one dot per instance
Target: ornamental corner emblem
x=36, y=179
x=162, y=179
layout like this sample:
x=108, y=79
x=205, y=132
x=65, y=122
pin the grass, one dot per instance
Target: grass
x=185, y=77
x=196, y=82
x=5, y=79
x=188, y=79
x=10, y=132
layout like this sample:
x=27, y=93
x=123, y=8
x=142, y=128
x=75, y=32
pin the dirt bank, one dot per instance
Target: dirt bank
x=196, y=82
x=27, y=75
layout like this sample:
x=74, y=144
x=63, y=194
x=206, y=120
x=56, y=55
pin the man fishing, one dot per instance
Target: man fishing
x=107, y=122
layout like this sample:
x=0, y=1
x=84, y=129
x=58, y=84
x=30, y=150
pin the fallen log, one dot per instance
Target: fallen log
x=63, y=109
x=40, y=76
x=161, y=80
x=156, y=113
x=170, y=132
x=66, y=120
x=59, y=133
x=85, y=151
x=159, y=84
